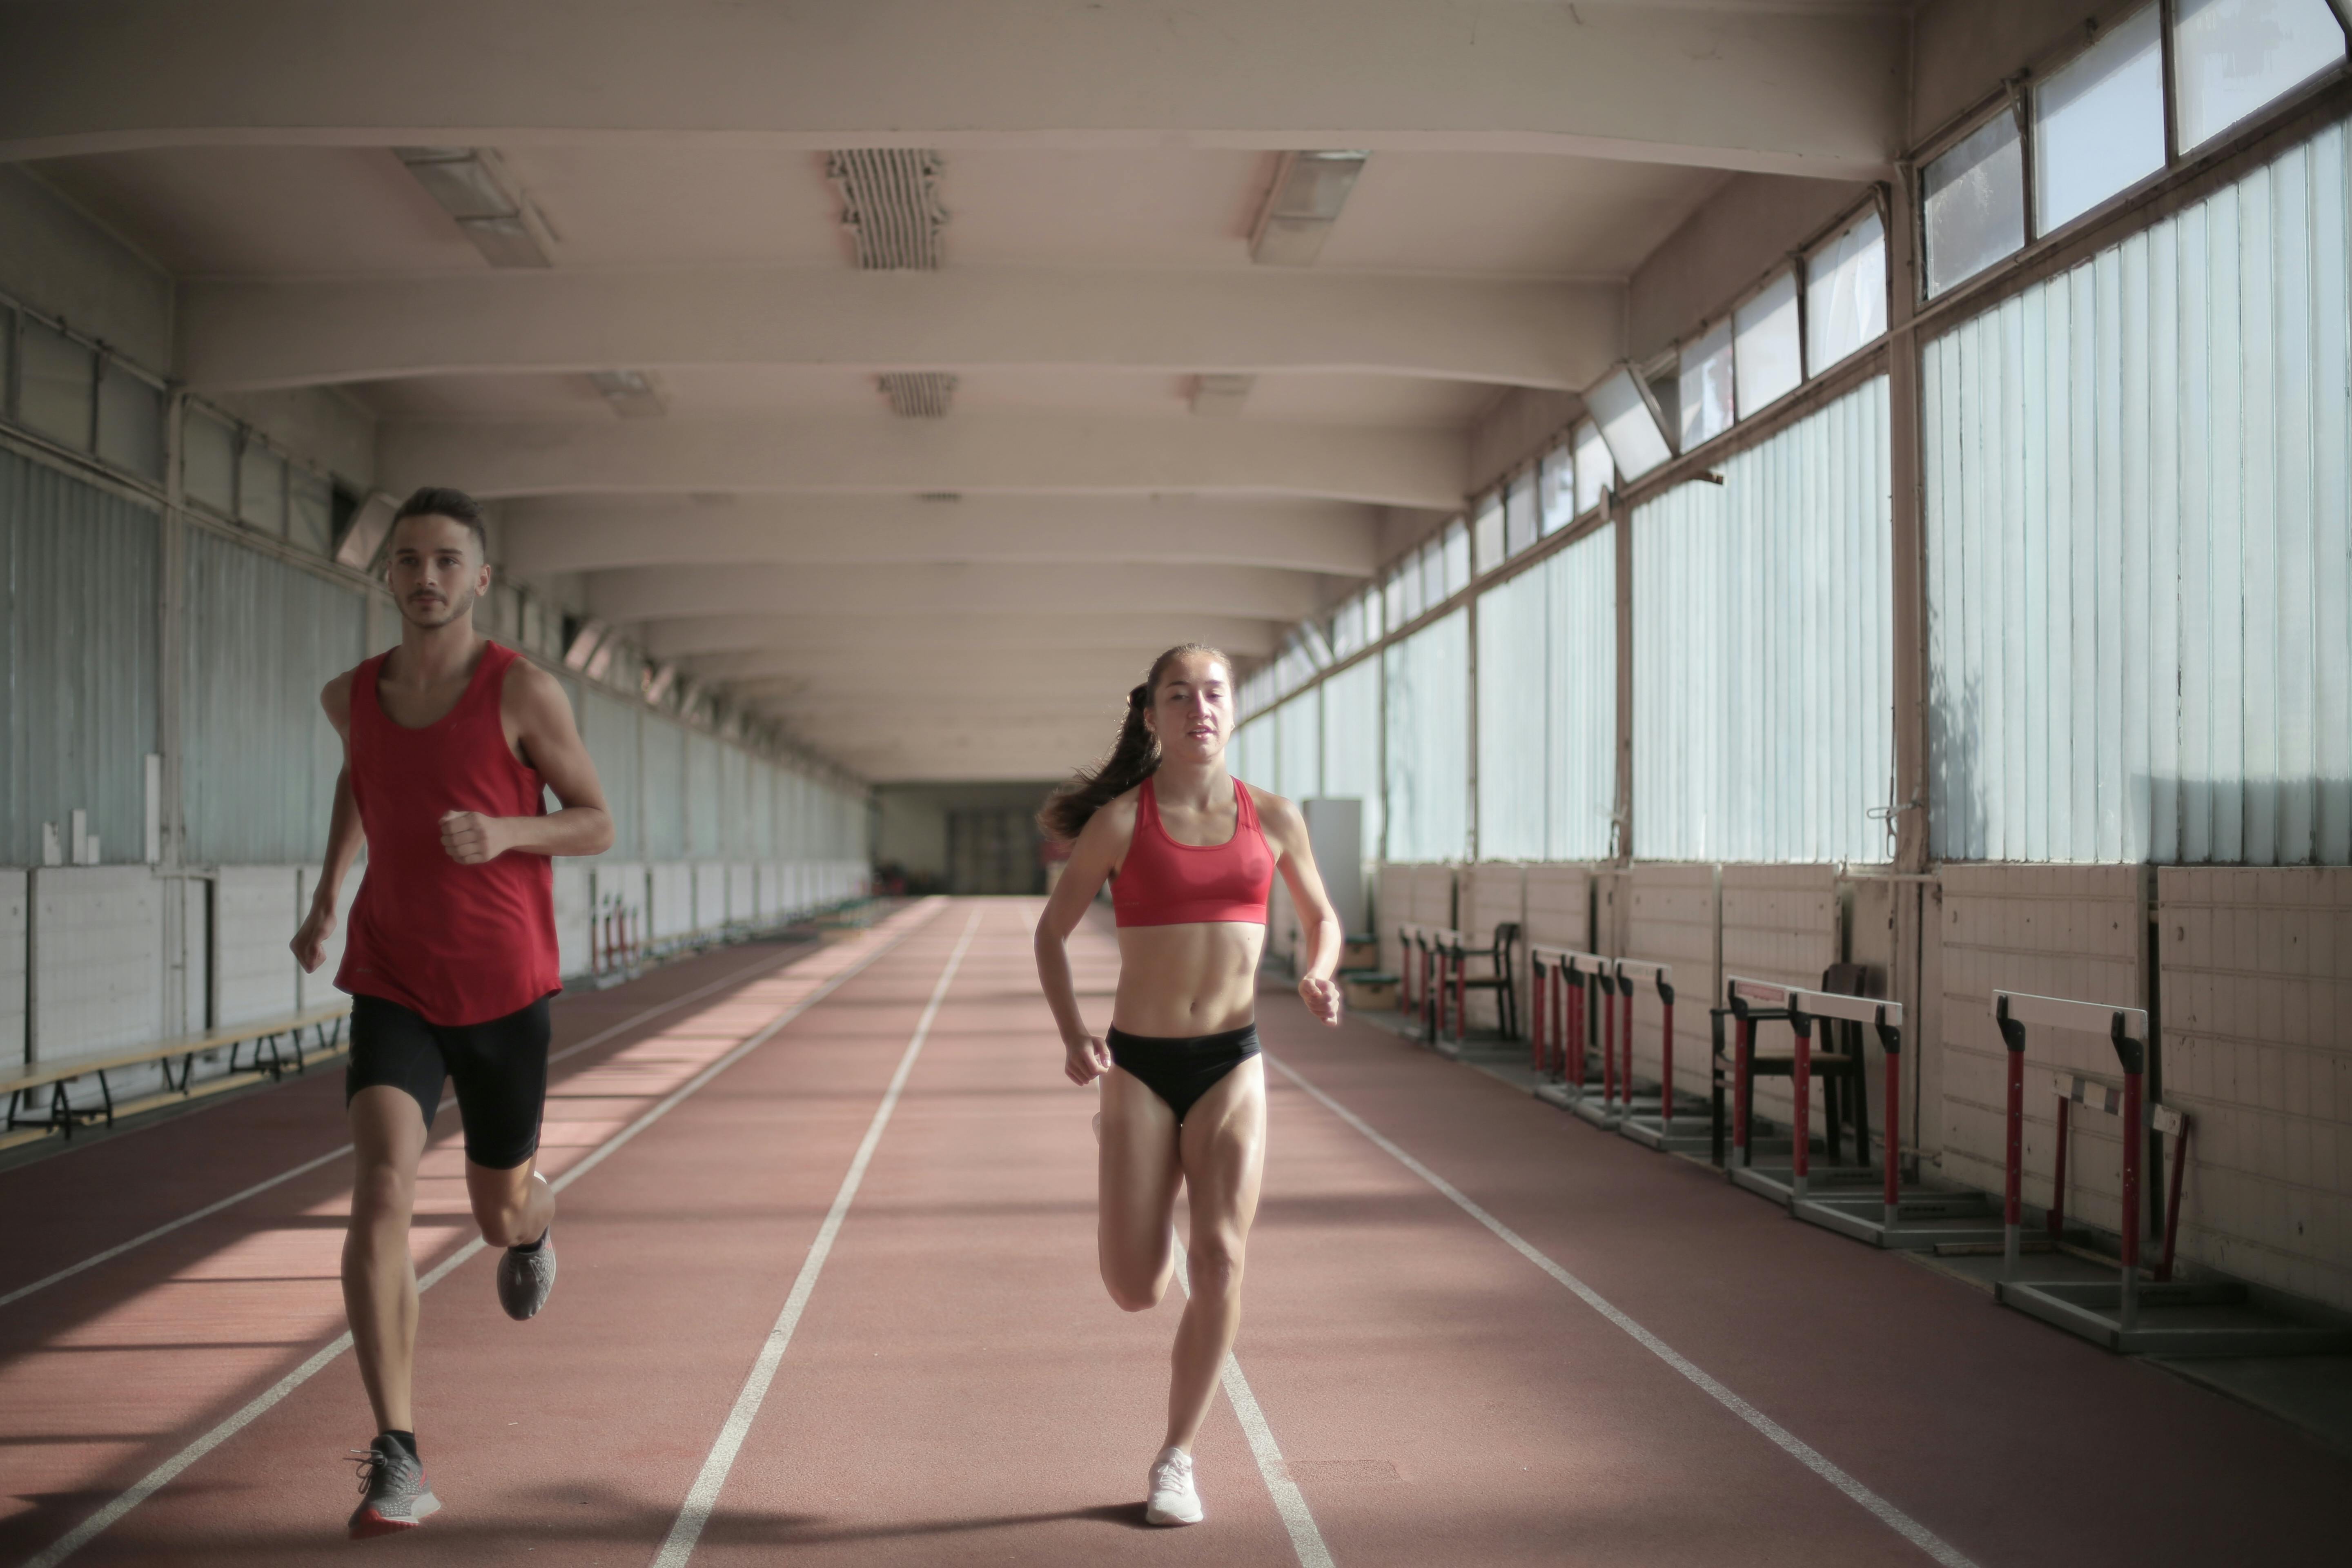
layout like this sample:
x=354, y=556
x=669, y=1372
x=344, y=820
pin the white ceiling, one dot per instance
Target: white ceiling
x=1524, y=161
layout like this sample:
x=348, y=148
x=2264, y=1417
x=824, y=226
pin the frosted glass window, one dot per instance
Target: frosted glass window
x=1351, y=744
x=261, y=488
x=310, y=523
x=1557, y=487
x=1707, y=386
x=1628, y=426
x=1580, y=700
x=1375, y=616
x=2233, y=57
x=1513, y=716
x=1298, y=746
x=1457, y=558
x=2137, y=494
x=208, y=462
x=1974, y=201
x=1768, y=348
x=58, y=385
x=1520, y=521
x=1593, y=466
x=2098, y=121
x=1427, y=691
x=1347, y=628
x=1486, y=532
x=1393, y=608
x=1763, y=647
x=1845, y=294
x=1433, y=573
x=131, y=423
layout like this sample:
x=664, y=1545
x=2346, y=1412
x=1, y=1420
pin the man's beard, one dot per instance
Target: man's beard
x=451, y=610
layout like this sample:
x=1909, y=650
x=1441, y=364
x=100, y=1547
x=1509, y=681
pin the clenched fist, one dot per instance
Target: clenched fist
x=473, y=839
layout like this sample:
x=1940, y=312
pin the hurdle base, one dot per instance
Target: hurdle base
x=1775, y=1182
x=1602, y=1113
x=1925, y=1220
x=2181, y=1318
x=1555, y=1091
x=1641, y=1122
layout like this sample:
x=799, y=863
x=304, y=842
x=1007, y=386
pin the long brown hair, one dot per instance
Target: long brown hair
x=1134, y=757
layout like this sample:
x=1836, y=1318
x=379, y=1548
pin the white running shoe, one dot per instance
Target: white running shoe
x=1173, y=1501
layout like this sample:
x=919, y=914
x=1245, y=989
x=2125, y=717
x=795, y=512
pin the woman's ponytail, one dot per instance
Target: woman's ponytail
x=1134, y=757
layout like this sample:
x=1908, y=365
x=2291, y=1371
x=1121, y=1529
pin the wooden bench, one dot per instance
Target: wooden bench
x=272, y=1040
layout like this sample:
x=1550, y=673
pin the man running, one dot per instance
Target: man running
x=448, y=741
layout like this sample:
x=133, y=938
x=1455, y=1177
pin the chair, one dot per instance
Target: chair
x=1503, y=979
x=1835, y=1063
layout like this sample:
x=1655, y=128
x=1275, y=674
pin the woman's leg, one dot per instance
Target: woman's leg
x=1222, y=1148
x=1139, y=1173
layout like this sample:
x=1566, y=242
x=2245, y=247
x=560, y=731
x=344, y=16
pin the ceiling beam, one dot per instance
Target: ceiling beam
x=1799, y=89
x=830, y=666
x=673, y=593
x=541, y=538
x=254, y=335
x=955, y=635
x=975, y=454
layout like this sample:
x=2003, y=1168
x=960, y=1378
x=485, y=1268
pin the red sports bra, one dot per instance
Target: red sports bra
x=1164, y=883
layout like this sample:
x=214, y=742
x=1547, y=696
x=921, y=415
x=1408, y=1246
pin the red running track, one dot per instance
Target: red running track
x=957, y=1388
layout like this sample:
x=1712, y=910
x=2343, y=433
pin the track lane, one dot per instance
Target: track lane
x=292, y=1269
x=960, y=1389
x=2010, y=1441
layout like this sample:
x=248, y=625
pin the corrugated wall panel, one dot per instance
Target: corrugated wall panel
x=2140, y=527
x=258, y=782
x=1351, y=744
x=1763, y=708
x=1428, y=694
x=1298, y=746
x=702, y=796
x=1513, y=718
x=608, y=726
x=78, y=575
x=664, y=782
x=1581, y=604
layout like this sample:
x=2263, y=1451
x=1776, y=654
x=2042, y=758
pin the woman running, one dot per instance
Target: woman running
x=1193, y=852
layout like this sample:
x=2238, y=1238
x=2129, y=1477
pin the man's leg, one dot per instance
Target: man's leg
x=379, y=1277
x=514, y=1207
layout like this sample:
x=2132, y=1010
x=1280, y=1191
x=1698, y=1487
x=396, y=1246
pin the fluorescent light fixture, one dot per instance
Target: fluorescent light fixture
x=584, y=643
x=1220, y=396
x=371, y=525
x=472, y=189
x=1628, y=423
x=918, y=394
x=1310, y=189
x=633, y=393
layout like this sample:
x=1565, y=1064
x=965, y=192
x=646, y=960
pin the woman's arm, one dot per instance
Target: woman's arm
x=1096, y=854
x=1285, y=827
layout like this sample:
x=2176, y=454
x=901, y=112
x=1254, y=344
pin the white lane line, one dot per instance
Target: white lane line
x=702, y=1497
x=1894, y=1517
x=161, y=1475
x=136, y=1242
x=1306, y=1538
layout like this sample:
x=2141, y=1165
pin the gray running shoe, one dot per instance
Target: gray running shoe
x=394, y=1496
x=525, y=1277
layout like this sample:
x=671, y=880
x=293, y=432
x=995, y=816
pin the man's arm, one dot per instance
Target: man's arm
x=539, y=717
x=345, y=836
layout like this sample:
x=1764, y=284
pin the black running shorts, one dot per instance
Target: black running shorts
x=499, y=1069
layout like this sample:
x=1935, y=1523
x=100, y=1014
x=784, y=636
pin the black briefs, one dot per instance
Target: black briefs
x=499, y=1069
x=1180, y=1071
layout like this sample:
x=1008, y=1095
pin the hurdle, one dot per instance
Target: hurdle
x=1651, y=1123
x=1599, y=974
x=1909, y=1218
x=1564, y=1024
x=1751, y=1002
x=2159, y=1316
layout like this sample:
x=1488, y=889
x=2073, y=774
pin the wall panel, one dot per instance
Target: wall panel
x=1427, y=685
x=79, y=575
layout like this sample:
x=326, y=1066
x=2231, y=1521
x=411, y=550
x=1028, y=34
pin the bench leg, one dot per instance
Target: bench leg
x=107, y=1091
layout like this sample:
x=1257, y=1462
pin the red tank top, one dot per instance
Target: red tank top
x=1164, y=883
x=456, y=944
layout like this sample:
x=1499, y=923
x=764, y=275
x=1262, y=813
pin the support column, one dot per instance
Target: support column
x=1909, y=554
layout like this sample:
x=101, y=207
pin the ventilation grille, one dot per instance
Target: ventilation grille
x=890, y=204
x=918, y=394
